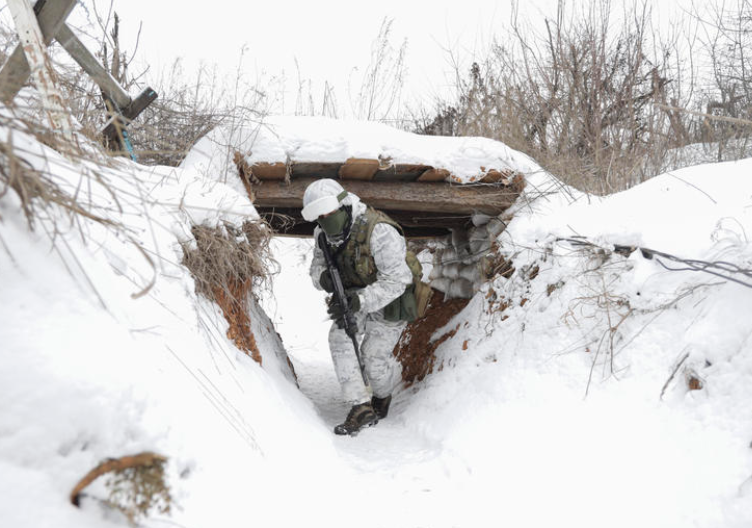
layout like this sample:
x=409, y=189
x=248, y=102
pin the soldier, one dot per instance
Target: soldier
x=378, y=274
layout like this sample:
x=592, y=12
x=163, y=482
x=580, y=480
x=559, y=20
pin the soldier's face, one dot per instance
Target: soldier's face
x=333, y=223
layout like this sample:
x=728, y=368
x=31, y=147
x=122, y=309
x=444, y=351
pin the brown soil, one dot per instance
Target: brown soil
x=694, y=383
x=233, y=307
x=225, y=264
x=415, y=350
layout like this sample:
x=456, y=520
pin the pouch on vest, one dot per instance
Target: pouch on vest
x=411, y=305
x=416, y=297
x=422, y=295
x=392, y=310
x=414, y=302
x=408, y=307
x=403, y=308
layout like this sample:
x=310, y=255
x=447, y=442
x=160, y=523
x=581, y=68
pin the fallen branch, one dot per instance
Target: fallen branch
x=145, y=459
x=736, y=120
x=671, y=377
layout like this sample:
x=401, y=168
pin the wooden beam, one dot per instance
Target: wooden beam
x=91, y=65
x=114, y=131
x=291, y=215
x=424, y=219
x=38, y=65
x=434, y=175
x=140, y=103
x=302, y=169
x=15, y=72
x=289, y=222
x=400, y=196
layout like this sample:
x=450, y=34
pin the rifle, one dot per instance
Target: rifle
x=348, y=318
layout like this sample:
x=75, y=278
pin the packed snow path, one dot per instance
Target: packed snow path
x=301, y=318
x=510, y=442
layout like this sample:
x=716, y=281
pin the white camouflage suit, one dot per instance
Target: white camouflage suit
x=377, y=336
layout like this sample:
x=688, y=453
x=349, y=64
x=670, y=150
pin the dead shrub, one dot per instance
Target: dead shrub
x=577, y=96
x=226, y=255
x=226, y=263
x=140, y=490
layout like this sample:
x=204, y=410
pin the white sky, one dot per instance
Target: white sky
x=327, y=38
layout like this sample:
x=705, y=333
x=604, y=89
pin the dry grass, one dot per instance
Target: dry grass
x=226, y=263
x=136, y=485
x=37, y=189
x=139, y=491
x=225, y=255
x=30, y=174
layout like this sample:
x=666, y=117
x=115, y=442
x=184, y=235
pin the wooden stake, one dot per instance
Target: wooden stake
x=42, y=77
x=15, y=71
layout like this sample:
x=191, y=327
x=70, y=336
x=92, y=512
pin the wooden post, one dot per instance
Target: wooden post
x=15, y=71
x=35, y=50
x=91, y=65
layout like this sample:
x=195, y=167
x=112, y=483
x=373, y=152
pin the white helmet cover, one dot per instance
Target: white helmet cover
x=321, y=198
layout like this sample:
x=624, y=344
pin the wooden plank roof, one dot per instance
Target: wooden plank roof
x=426, y=201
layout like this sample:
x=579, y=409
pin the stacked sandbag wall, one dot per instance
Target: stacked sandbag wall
x=467, y=260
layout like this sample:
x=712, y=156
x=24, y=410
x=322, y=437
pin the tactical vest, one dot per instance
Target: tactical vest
x=358, y=268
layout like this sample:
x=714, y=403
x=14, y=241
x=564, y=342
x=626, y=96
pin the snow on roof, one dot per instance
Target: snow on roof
x=277, y=139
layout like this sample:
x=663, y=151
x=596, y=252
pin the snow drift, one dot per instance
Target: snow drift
x=107, y=350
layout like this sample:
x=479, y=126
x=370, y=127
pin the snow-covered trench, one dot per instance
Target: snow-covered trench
x=107, y=351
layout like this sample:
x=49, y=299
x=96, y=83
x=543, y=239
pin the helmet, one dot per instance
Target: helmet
x=321, y=198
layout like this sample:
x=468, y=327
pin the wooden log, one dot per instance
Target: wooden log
x=493, y=176
x=270, y=171
x=415, y=225
x=358, y=169
x=434, y=175
x=305, y=230
x=401, y=172
x=91, y=65
x=314, y=169
x=429, y=219
x=401, y=196
x=16, y=71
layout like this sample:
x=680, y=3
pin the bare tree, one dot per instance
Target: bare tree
x=578, y=95
x=728, y=40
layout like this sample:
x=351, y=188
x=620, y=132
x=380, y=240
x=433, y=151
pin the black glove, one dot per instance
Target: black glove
x=326, y=282
x=336, y=310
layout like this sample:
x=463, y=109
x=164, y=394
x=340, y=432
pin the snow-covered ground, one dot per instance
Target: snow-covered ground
x=94, y=363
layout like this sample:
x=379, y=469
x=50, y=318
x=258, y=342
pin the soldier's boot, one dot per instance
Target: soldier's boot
x=381, y=406
x=360, y=416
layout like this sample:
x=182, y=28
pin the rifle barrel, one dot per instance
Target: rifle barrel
x=348, y=317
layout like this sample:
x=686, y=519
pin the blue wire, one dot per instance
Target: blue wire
x=128, y=145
